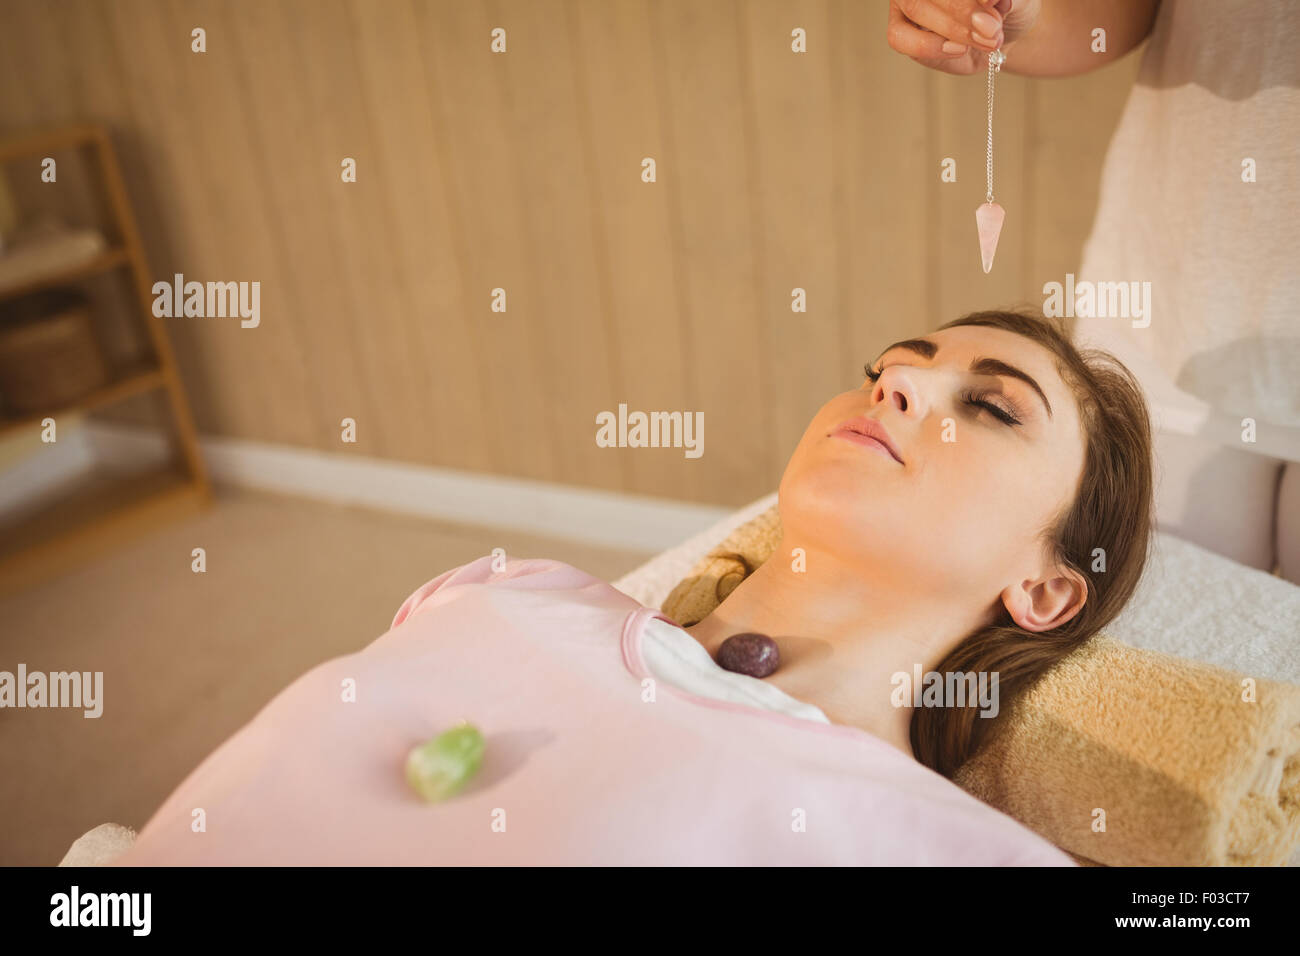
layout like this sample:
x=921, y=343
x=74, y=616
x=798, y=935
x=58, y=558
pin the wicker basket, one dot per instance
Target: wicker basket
x=48, y=354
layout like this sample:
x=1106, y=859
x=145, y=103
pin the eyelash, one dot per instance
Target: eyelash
x=970, y=397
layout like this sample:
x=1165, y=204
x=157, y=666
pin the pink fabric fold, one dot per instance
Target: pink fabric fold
x=588, y=759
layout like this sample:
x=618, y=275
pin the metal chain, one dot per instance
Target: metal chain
x=995, y=63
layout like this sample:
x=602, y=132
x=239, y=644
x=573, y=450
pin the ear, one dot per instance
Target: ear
x=1047, y=602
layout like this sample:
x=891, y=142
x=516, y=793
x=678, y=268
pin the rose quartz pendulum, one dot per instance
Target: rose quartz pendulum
x=989, y=216
x=988, y=220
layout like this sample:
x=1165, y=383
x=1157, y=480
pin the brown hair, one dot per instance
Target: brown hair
x=1112, y=511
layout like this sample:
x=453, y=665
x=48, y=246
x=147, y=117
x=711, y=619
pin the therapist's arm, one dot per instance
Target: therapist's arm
x=1060, y=41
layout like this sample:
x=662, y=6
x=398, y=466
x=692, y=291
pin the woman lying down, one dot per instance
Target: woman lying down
x=951, y=512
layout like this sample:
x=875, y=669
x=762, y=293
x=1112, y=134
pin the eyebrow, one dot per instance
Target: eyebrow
x=980, y=366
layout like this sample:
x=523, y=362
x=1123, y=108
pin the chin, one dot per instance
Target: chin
x=832, y=506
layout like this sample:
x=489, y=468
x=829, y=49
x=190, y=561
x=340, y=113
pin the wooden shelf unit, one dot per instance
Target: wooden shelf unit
x=126, y=383
x=106, y=261
x=104, y=510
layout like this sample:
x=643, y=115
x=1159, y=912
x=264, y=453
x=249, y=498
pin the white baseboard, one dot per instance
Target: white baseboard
x=44, y=473
x=610, y=519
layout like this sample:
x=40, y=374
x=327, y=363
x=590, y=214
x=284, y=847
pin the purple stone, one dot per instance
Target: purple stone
x=753, y=654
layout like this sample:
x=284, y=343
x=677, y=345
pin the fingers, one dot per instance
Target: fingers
x=956, y=65
x=930, y=16
x=909, y=39
x=963, y=22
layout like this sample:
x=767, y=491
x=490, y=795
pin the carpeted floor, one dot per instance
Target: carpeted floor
x=189, y=658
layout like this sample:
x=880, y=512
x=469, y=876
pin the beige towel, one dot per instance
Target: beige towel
x=99, y=846
x=1118, y=755
x=719, y=572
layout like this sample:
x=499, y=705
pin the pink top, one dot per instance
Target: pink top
x=589, y=760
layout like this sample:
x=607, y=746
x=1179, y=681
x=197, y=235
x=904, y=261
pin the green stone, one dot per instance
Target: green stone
x=438, y=768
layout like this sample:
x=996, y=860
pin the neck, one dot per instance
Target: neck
x=842, y=637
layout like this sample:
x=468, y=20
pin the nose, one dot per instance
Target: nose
x=897, y=386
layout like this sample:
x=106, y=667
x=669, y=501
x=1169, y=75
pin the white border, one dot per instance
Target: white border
x=610, y=519
x=44, y=473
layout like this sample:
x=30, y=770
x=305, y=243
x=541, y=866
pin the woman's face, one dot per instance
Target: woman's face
x=961, y=516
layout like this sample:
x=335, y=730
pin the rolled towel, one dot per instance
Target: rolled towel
x=99, y=846
x=718, y=573
x=1183, y=767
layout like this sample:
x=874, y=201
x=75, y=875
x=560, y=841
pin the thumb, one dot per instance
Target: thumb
x=1018, y=17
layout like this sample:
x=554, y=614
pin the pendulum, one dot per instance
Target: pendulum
x=989, y=215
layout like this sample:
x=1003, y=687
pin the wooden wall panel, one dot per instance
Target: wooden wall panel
x=310, y=282
x=404, y=174
x=775, y=170
x=558, y=180
x=790, y=147
x=202, y=236
x=375, y=297
x=717, y=253
x=626, y=109
x=489, y=192
x=281, y=394
x=889, y=194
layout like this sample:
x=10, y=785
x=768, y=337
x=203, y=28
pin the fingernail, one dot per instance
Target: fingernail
x=953, y=49
x=985, y=23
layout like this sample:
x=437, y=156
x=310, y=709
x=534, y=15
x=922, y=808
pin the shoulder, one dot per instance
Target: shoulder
x=499, y=571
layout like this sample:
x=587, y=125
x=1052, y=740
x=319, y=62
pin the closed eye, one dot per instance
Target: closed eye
x=978, y=400
x=975, y=399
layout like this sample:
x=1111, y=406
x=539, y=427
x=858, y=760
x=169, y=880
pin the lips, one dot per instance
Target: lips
x=863, y=427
